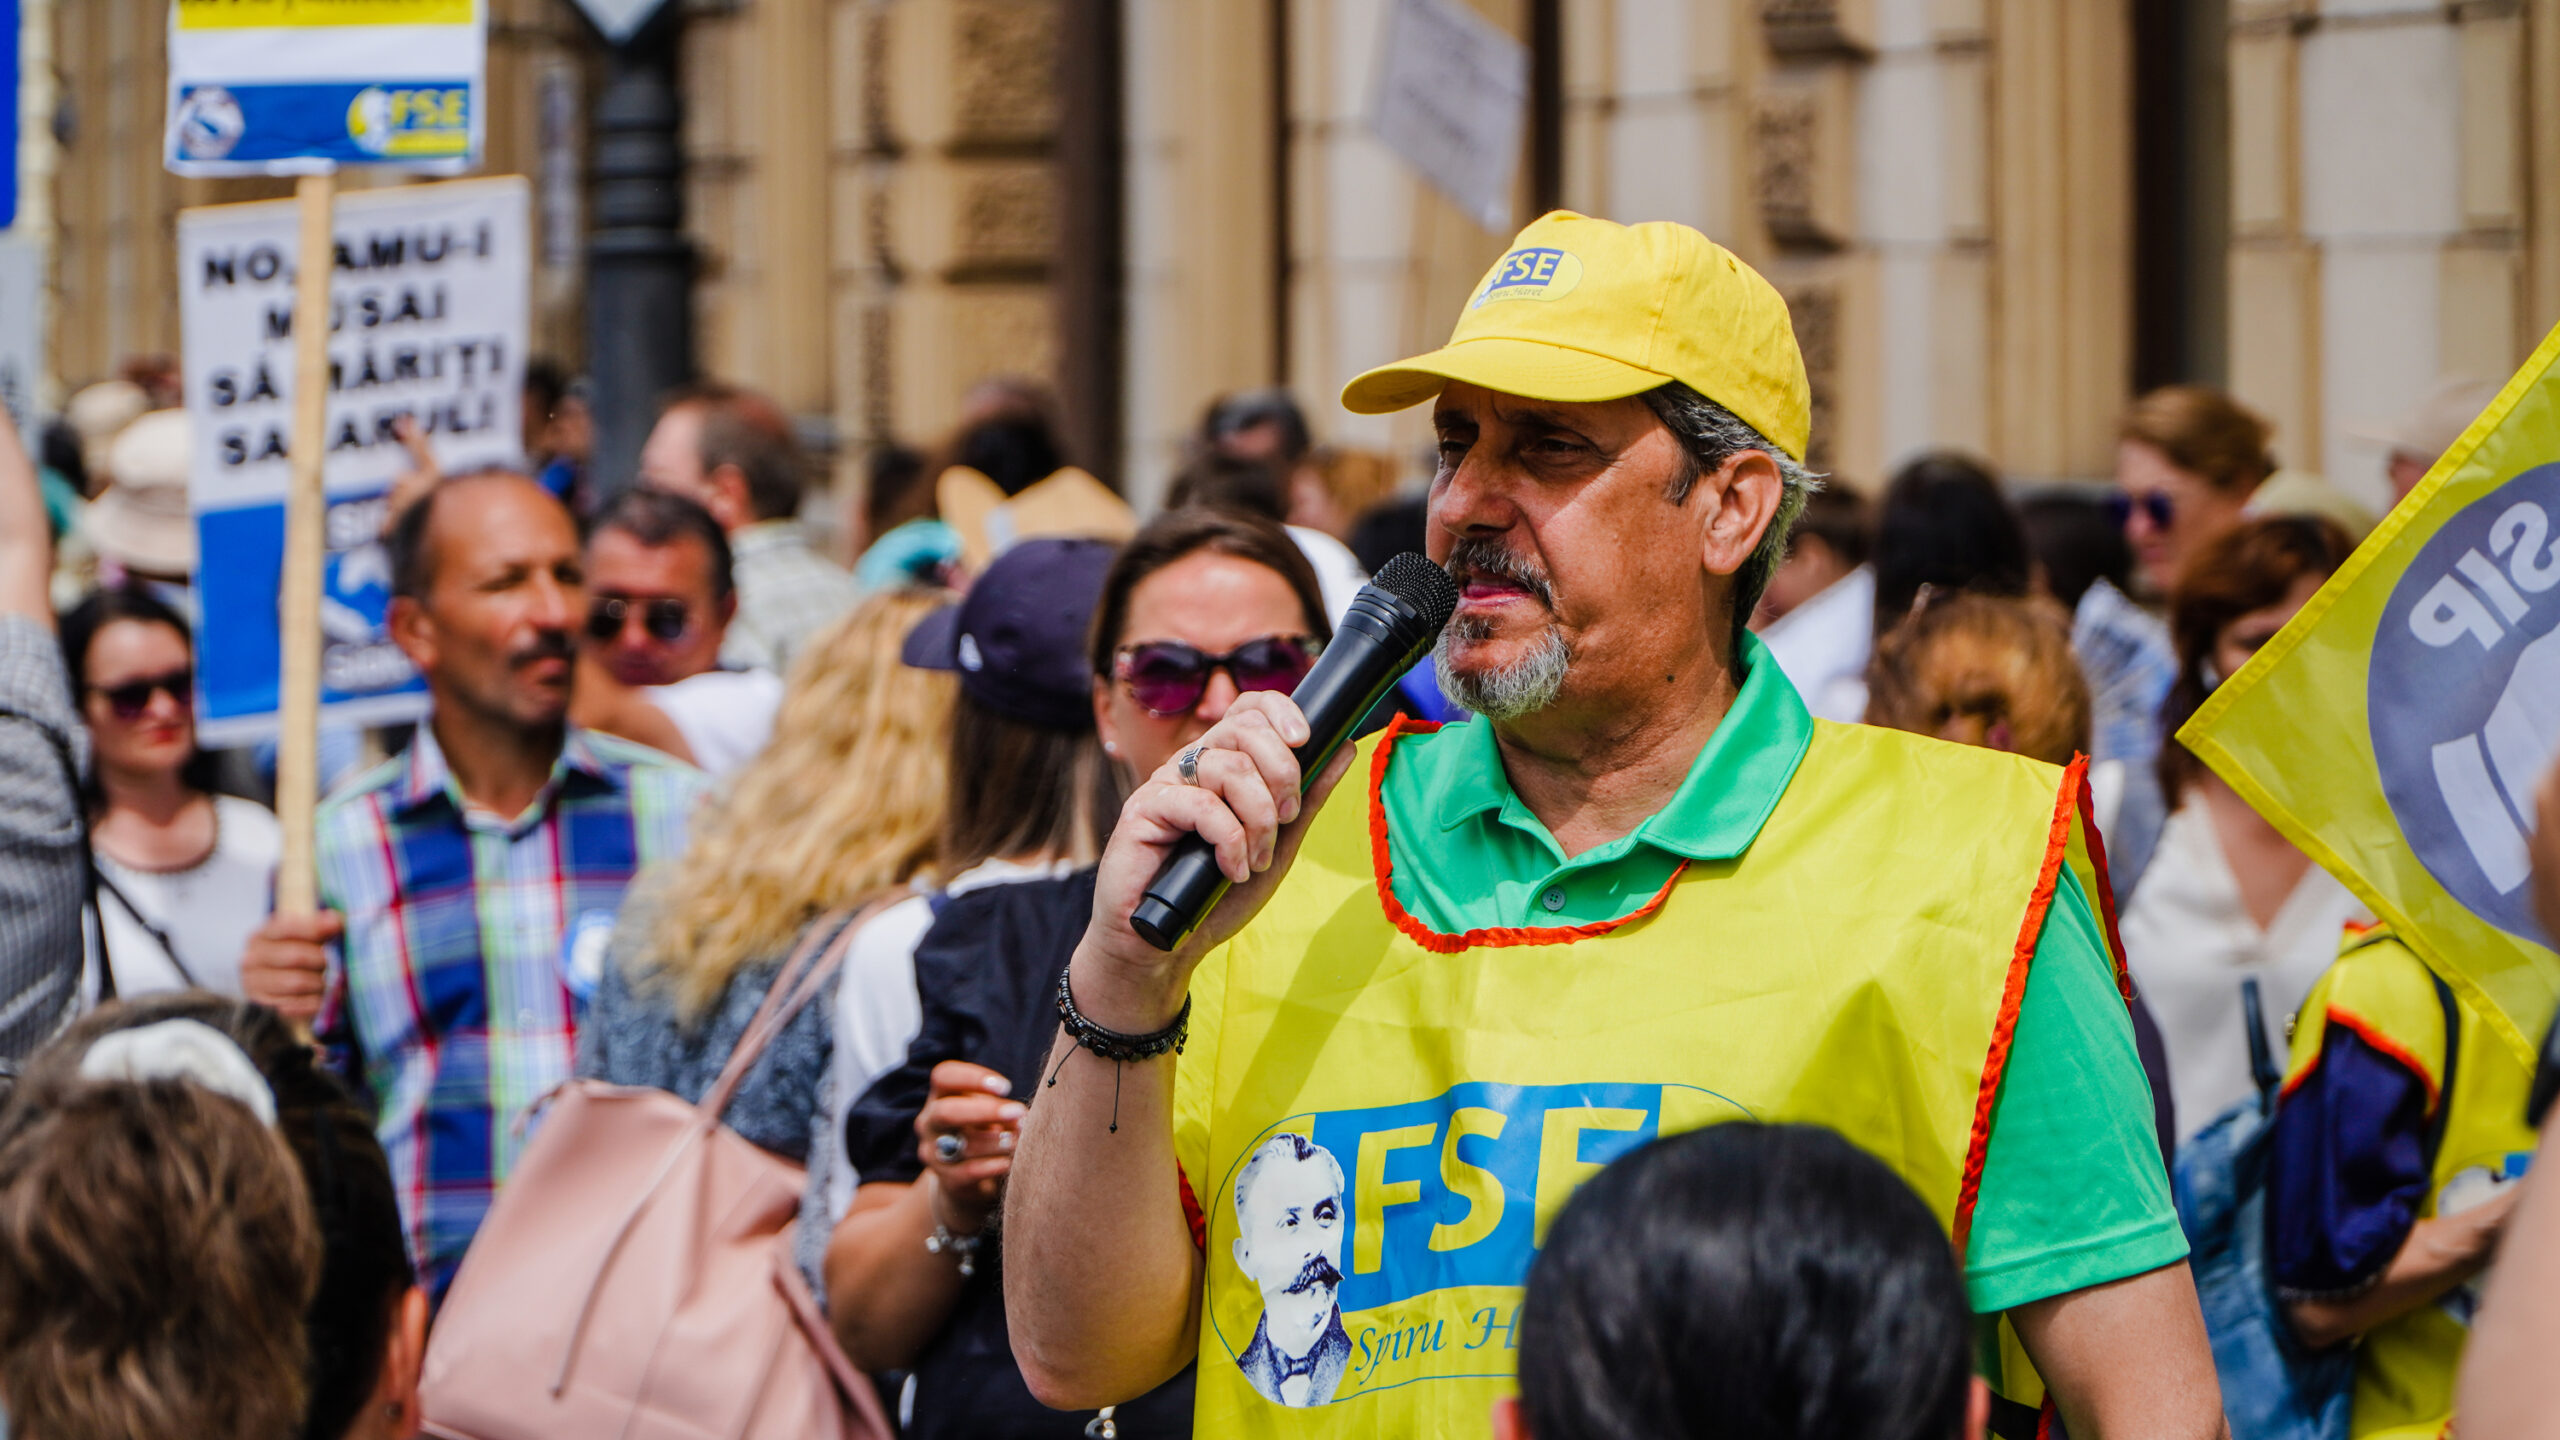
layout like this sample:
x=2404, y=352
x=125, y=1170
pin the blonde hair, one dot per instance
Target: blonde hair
x=1985, y=671
x=844, y=804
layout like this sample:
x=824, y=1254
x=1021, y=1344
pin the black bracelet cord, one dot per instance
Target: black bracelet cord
x=1113, y=1045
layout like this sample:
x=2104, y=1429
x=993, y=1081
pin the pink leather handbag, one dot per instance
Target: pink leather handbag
x=634, y=1278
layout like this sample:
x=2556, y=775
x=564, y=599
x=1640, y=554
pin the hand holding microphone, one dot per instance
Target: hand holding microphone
x=1222, y=813
x=1393, y=621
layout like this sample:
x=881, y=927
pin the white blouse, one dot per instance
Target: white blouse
x=205, y=913
x=2190, y=942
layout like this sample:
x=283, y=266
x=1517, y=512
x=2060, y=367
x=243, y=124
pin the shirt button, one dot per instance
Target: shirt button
x=1553, y=899
x=524, y=1019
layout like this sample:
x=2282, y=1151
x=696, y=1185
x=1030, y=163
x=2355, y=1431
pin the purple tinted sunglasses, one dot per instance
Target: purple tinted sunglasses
x=1168, y=677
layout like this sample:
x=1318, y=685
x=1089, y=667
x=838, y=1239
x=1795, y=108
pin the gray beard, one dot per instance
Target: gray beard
x=1524, y=687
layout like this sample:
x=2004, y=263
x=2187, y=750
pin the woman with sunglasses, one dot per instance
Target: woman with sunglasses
x=1196, y=607
x=1200, y=607
x=2188, y=460
x=184, y=875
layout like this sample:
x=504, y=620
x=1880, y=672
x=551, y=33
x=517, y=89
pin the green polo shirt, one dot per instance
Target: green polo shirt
x=2073, y=1193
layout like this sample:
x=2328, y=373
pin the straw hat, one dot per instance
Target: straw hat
x=1068, y=504
x=97, y=415
x=141, y=522
x=2429, y=430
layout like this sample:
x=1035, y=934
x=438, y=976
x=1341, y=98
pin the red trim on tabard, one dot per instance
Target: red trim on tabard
x=2004, y=1030
x=1192, y=1214
x=2047, y=1420
x=1438, y=943
x=2106, y=888
x=2373, y=1035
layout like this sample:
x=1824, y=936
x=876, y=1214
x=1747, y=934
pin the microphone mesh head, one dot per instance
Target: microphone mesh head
x=1426, y=587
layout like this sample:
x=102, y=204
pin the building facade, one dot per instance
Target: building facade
x=1994, y=220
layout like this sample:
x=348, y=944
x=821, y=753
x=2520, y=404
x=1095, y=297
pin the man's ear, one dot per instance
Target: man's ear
x=412, y=630
x=1742, y=496
x=1977, y=1411
x=395, y=1391
x=729, y=503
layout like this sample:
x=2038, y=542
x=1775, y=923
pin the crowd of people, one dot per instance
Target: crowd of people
x=829, y=850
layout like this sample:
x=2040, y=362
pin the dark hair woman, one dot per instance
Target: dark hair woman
x=1201, y=606
x=2227, y=897
x=1945, y=526
x=1747, y=1282
x=1198, y=607
x=184, y=875
x=941, y=1039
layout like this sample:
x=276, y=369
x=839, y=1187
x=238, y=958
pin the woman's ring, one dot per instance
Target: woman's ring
x=1187, y=765
x=948, y=1147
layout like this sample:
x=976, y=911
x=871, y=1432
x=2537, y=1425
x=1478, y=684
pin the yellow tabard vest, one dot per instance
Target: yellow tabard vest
x=1860, y=966
x=2405, y=1368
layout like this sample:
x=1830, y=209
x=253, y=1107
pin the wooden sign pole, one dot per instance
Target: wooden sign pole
x=306, y=504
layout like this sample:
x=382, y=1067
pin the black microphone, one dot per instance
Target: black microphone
x=1393, y=622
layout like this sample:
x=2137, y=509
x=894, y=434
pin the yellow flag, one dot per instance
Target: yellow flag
x=2397, y=728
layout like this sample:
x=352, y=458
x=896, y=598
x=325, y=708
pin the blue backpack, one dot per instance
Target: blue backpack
x=2273, y=1387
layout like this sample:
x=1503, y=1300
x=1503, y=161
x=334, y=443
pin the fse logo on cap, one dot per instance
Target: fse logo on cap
x=1623, y=309
x=1536, y=273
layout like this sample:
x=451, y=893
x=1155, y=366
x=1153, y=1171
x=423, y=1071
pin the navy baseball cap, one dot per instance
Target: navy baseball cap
x=1018, y=639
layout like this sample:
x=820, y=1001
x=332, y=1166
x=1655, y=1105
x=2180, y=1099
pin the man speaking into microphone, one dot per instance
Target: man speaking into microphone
x=1640, y=892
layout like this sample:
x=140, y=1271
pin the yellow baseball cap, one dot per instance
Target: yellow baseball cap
x=1584, y=310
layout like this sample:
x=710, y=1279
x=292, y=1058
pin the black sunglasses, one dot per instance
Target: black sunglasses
x=2158, y=507
x=1168, y=677
x=665, y=620
x=131, y=698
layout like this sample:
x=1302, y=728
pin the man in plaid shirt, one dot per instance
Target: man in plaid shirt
x=470, y=883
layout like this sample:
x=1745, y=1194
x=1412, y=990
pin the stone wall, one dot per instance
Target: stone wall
x=1939, y=187
x=2391, y=209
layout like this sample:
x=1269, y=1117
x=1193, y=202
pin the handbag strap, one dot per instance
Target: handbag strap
x=2262, y=1060
x=799, y=981
x=792, y=986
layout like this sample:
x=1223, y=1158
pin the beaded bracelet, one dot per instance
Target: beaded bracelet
x=1113, y=1045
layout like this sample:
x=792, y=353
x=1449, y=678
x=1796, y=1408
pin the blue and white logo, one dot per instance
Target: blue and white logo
x=2464, y=694
x=208, y=123
x=369, y=121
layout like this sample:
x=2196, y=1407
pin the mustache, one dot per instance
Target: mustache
x=1469, y=559
x=547, y=645
x=1317, y=1271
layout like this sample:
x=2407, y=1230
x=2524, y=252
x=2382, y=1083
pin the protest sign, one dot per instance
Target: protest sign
x=9, y=78
x=271, y=87
x=427, y=300
x=1453, y=94
x=2396, y=728
x=22, y=296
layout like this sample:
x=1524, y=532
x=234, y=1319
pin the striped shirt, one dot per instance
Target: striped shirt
x=787, y=592
x=452, y=1000
x=43, y=871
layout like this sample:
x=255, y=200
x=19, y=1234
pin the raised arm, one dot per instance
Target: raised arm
x=42, y=868
x=26, y=541
x=1102, y=1280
